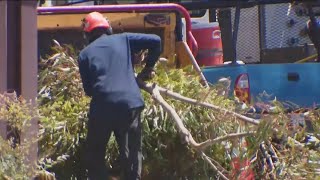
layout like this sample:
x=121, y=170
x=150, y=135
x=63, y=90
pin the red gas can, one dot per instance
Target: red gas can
x=208, y=37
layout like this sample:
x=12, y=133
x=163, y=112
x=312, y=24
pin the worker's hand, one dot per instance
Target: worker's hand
x=147, y=73
x=139, y=58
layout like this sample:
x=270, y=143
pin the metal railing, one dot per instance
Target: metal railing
x=127, y=8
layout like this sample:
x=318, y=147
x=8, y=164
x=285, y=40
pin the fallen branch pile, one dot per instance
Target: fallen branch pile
x=156, y=92
x=181, y=123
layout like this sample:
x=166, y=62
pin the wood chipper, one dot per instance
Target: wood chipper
x=63, y=25
x=172, y=22
x=252, y=39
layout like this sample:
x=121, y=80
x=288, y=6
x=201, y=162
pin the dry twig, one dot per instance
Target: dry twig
x=212, y=165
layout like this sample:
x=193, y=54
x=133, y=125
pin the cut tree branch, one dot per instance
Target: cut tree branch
x=179, y=97
x=156, y=92
x=150, y=88
x=210, y=142
x=205, y=157
x=184, y=132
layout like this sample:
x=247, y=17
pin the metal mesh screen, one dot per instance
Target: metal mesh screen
x=268, y=27
x=283, y=27
x=248, y=44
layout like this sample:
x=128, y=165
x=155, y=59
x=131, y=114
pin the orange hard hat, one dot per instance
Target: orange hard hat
x=94, y=20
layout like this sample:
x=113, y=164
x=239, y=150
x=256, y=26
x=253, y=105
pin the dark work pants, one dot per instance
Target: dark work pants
x=126, y=125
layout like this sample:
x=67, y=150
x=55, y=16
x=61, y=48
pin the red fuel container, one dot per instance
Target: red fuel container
x=208, y=37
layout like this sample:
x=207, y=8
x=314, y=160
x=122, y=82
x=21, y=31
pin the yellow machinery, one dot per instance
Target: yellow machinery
x=63, y=24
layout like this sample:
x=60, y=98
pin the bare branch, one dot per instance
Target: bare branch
x=183, y=131
x=205, y=157
x=222, y=169
x=179, y=97
x=186, y=135
x=214, y=107
x=156, y=92
x=204, y=81
x=210, y=142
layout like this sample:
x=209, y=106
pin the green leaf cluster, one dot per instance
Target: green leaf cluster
x=15, y=114
x=62, y=112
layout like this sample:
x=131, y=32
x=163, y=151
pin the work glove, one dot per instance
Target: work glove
x=146, y=74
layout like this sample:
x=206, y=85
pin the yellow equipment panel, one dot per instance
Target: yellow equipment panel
x=162, y=24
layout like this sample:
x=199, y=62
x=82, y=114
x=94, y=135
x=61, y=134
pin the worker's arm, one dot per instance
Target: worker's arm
x=151, y=42
x=84, y=73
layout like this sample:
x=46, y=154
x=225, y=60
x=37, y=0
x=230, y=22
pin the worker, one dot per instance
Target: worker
x=108, y=77
x=313, y=31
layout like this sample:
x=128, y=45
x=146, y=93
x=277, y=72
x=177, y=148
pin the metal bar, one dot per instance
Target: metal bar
x=262, y=29
x=3, y=46
x=77, y=2
x=29, y=71
x=29, y=50
x=235, y=32
x=212, y=15
x=13, y=46
x=234, y=3
x=224, y=19
x=125, y=8
x=3, y=59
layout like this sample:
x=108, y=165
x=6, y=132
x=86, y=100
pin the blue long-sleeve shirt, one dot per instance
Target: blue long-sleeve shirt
x=106, y=68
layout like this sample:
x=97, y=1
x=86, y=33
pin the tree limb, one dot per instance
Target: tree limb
x=156, y=92
x=221, y=169
x=210, y=142
x=179, y=97
x=205, y=157
x=183, y=131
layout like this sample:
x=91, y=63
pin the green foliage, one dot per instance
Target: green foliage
x=63, y=108
x=12, y=162
x=166, y=157
x=59, y=78
x=15, y=113
x=62, y=112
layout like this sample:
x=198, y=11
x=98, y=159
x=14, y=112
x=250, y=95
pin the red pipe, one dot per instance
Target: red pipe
x=129, y=7
x=194, y=46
